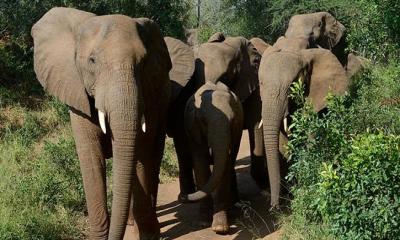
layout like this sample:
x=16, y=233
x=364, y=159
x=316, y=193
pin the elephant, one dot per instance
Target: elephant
x=113, y=73
x=213, y=123
x=314, y=30
x=281, y=65
x=233, y=61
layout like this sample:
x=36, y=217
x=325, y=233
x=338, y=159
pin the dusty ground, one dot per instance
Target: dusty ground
x=250, y=221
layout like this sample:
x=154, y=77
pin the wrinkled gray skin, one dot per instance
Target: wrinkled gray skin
x=289, y=60
x=233, y=61
x=213, y=123
x=119, y=66
x=321, y=30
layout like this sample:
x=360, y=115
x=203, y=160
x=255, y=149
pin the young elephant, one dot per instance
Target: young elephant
x=213, y=123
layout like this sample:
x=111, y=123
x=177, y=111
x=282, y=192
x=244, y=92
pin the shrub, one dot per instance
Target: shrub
x=361, y=197
x=371, y=25
x=334, y=157
x=169, y=163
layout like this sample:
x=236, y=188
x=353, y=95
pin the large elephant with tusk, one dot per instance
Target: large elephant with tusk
x=113, y=73
x=299, y=56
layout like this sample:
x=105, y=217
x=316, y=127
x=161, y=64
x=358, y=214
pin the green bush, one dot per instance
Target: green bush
x=371, y=25
x=361, y=196
x=42, y=194
x=363, y=125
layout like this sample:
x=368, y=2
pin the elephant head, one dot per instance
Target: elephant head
x=322, y=30
x=321, y=72
x=114, y=61
x=233, y=61
x=213, y=116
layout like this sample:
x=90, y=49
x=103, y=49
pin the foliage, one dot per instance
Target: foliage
x=371, y=24
x=361, y=197
x=296, y=227
x=169, y=163
x=41, y=191
x=344, y=161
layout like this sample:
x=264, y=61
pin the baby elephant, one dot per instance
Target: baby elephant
x=213, y=122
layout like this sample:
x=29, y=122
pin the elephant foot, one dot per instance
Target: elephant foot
x=204, y=219
x=275, y=209
x=183, y=198
x=205, y=212
x=220, y=223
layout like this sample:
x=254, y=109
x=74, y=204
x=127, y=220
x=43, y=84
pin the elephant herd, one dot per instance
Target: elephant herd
x=128, y=87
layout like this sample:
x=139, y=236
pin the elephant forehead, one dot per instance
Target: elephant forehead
x=303, y=25
x=115, y=35
x=216, y=51
x=279, y=68
x=218, y=59
x=110, y=23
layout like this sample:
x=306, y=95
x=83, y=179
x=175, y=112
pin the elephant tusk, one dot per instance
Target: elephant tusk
x=102, y=120
x=260, y=125
x=285, y=126
x=143, y=124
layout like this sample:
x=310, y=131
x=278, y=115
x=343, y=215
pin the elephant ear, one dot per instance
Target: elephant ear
x=260, y=45
x=182, y=59
x=248, y=64
x=334, y=31
x=327, y=75
x=355, y=64
x=217, y=37
x=250, y=60
x=157, y=60
x=54, y=56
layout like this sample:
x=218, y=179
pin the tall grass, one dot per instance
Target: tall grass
x=41, y=193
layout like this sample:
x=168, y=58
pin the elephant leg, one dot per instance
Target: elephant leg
x=185, y=161
x=223, y=200
x=258, y=166
x=201, y=164
x=89, y=141
x=233, y=156
x=227, y=193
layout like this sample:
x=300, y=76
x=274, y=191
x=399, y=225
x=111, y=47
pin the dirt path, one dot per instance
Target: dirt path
x=178, y=221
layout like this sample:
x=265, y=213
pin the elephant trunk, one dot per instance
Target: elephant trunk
x=272, y=115
x=124, y=114
x=220, y=147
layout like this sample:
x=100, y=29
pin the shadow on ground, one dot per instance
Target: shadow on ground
x=250, y=219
